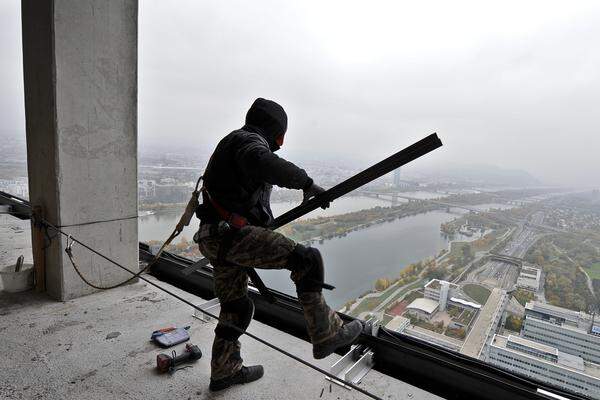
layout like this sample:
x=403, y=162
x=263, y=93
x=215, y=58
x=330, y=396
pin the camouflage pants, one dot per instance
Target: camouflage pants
x=256, y=247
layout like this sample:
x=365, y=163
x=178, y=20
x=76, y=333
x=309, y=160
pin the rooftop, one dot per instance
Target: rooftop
x=423, y=304
x=532, y=345
x=398, y=323
x=555, y=310
x=60, y=350
x=479, y=331
x=433, y=284
x=436, y=284
x=574, y=320
x=530, y=270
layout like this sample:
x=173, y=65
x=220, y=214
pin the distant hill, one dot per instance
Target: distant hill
x=481, y=174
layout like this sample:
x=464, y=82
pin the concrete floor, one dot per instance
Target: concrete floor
x=60, y=350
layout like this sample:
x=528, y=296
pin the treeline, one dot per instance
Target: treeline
x=565, y=284
x=523, y=296
x=408, y=275
x=494, y=197
x=340, y=225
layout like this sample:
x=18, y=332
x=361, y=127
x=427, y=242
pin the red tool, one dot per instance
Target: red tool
x=166, y=363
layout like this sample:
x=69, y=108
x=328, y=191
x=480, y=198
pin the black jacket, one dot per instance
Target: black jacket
x=243, y=167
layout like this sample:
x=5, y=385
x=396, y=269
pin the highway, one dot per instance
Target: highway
x=498, y=274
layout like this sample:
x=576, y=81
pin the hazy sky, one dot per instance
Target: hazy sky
x=511, y=83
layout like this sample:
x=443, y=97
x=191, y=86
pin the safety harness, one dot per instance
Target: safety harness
x=235, y=220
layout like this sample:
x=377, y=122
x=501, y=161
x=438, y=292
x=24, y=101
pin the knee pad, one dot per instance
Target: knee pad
x=307, y=266
x=239, y=313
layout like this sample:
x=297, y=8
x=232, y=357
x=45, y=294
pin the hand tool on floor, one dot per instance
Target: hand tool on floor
x=168, y=363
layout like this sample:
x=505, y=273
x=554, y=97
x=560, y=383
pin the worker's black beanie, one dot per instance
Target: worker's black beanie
x=268, y=116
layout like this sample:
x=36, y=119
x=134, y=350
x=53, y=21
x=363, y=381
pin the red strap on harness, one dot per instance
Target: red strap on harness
x=235, y=220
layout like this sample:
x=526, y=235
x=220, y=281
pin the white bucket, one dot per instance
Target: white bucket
x=17, y=281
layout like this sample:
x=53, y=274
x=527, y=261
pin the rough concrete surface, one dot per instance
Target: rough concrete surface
x=97, y=347
x=81, y=117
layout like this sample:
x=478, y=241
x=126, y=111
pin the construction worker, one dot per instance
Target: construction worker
x=233, y=236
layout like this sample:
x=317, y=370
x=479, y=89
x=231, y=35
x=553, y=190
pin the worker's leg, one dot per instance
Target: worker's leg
x=262, y=248
x=308, y=274
x=231, y=285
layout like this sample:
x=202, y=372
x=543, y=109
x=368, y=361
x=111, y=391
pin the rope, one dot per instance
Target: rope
x=228, y=324
x=100, y=221
x=69, y=252
x=183, y=222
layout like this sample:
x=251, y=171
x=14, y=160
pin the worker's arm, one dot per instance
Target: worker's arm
x=257, y=158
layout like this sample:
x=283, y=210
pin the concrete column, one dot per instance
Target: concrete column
x=80, y=70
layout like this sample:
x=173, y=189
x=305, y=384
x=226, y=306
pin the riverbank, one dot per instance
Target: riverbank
x=324, y=228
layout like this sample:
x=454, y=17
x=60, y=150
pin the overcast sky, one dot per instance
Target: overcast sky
x=510, y=83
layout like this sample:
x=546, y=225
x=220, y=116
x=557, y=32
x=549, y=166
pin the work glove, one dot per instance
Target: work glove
x=311, y=190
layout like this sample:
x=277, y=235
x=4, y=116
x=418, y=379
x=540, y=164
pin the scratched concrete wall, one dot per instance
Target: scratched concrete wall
x=95, y=139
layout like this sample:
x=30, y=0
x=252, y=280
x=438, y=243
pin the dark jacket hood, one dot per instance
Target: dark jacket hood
x=268, y=119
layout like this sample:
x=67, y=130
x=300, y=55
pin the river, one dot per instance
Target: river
x=160, y=225
x=353, y=262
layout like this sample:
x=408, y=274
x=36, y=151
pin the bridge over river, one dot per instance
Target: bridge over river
x=393, y=197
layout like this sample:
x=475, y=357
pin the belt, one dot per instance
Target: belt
x=233, y=219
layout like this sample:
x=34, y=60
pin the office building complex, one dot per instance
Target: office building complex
x=546, y=364
x=569, y=331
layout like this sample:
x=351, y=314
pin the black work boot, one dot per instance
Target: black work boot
x=346, y=335
x=244, y=375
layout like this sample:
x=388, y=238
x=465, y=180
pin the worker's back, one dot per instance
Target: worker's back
x=231, y=180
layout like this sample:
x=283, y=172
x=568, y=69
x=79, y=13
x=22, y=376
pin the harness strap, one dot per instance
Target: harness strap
x=235, y=220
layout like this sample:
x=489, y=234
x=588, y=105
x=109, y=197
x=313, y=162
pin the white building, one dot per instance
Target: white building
x=146, y=188
x=444, y=289
x=446, y=293
x=569, y=331
x=18, y=187
x=545, y=364
x=433, y=290
x=397, y=178
x=529, y=278
x=423, y=308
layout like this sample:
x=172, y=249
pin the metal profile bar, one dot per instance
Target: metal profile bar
x=360, y=368
x=352, y=366
x=391, y=163
x=17, y=207
x=340, y=367
x=213, y=306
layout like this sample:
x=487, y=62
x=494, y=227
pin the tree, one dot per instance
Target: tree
x=381, y=284
x=436, y=273
x=514, y=323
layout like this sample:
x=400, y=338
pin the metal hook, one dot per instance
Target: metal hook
x=70, y=242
